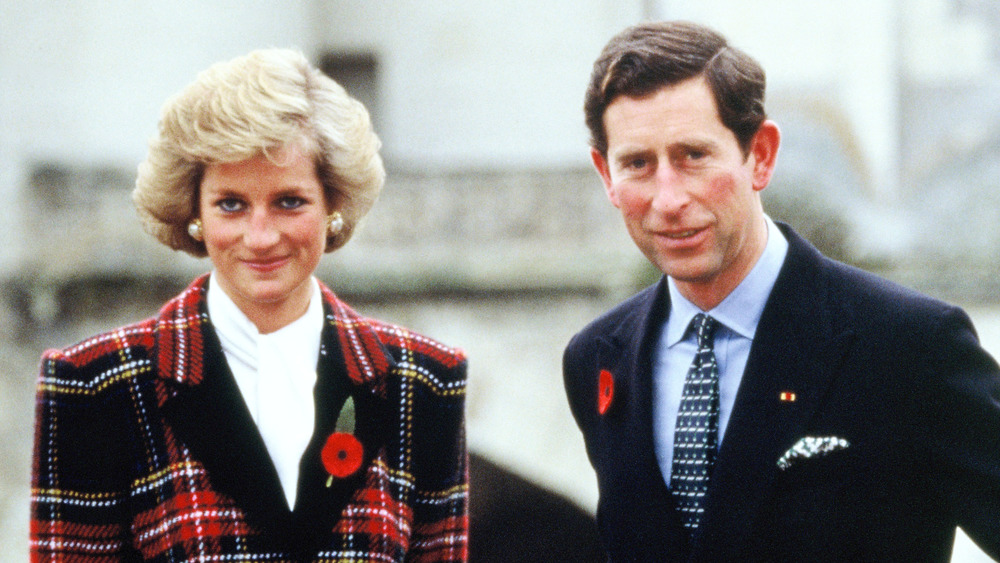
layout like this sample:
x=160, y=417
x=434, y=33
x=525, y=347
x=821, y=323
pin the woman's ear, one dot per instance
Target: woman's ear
x=764, y=150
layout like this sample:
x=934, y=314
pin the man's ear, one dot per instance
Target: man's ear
x=601, y=165
x=764, y=150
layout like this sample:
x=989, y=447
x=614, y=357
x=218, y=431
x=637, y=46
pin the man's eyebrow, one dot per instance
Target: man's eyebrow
x=628, y=153
x=697, y=144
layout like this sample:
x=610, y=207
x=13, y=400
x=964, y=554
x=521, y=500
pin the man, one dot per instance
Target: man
x=812, y=411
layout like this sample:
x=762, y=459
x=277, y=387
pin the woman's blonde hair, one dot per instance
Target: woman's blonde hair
x=252, y=105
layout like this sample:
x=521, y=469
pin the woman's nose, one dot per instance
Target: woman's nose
x=261, y=232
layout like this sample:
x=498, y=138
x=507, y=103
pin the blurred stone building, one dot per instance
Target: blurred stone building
x=889, y=126
x=492, y=232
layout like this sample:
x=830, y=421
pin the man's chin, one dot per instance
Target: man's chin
x=696, y=270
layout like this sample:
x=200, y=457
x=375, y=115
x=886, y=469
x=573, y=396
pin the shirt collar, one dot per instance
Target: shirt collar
x=240, y=337
x=741, y=310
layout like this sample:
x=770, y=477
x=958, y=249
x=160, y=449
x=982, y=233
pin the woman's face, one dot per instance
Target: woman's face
x=265, y=231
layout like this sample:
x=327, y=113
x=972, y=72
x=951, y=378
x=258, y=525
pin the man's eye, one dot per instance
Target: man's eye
x=695, y=153
x=689, y=157
x=229, y=205
x=637, y=164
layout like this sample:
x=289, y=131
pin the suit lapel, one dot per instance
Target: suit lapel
x=795, y=351
x=628, y=353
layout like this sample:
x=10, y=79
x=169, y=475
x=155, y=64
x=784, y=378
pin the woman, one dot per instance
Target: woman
x=256, y=417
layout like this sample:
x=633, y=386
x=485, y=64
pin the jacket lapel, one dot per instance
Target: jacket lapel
x=318, y=507
x=795, y=350
x=206, y=411
x=208, y=415
x=628, y=353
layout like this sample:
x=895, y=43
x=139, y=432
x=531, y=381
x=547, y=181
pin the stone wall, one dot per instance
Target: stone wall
x=453, y=233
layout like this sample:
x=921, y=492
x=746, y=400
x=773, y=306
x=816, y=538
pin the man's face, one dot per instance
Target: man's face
x=689, y=197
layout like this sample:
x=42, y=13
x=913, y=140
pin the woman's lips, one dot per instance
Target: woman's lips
x=266, y=265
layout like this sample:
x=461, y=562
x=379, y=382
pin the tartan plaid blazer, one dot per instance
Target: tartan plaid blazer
x=145, y=451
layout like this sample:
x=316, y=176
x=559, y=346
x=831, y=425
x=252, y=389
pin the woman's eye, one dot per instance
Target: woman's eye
x=229, y=205
x=291, y=202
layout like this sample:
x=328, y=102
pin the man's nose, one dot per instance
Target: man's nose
x=671, y=193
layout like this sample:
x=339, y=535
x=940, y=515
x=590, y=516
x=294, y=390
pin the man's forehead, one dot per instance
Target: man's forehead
x=695, y=86
x=684, y=112
x=688, y=95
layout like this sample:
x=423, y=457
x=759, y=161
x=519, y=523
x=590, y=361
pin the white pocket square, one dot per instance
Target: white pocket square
x=811, y=446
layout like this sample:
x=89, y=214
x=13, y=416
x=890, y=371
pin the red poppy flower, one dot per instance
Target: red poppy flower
x=342, y=454
x=605, y=391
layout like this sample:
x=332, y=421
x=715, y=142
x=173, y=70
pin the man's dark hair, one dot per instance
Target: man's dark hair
x=646, y=57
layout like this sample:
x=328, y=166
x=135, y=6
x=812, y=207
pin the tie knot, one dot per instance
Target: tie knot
x=704, y=328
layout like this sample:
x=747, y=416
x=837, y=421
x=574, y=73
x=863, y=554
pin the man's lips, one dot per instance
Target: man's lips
x=681, y=234
x=682, y=240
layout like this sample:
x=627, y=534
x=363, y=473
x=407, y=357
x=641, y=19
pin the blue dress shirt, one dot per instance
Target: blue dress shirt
x=738, y=314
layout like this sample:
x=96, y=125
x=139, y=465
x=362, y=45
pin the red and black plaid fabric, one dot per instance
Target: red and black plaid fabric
x=115, y=477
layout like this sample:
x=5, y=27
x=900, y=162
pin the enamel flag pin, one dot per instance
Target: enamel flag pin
x=787, y=396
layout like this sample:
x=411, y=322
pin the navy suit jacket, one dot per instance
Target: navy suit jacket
x=900, y=376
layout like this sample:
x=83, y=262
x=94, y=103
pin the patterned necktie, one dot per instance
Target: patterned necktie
x=696, y=434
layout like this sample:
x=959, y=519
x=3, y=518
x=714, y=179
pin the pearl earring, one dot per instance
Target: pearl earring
x=335, y=224
x=195, y=230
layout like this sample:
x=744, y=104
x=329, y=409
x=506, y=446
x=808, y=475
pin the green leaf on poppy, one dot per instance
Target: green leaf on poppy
x=345, y=422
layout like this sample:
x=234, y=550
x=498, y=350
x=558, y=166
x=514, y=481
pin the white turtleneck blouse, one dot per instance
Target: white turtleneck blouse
x=276, y=374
